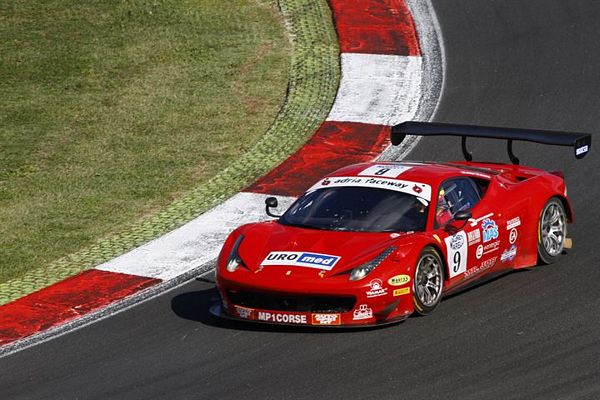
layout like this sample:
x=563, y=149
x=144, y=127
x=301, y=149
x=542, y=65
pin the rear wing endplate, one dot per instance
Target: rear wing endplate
x=581, y=142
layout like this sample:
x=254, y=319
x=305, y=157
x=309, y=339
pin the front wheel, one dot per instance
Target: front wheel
x=428, y=282
x=552, y=230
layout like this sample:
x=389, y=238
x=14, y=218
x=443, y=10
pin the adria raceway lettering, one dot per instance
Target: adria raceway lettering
x=382, y=76
x=417, y=189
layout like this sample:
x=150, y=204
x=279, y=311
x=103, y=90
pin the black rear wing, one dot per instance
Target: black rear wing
x=581, y=142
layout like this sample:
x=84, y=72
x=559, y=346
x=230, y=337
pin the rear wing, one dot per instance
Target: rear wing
x=581, y=142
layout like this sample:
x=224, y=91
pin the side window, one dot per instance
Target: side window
x=460, y=194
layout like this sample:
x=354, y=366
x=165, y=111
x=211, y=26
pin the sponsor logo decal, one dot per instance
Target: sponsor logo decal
x=417, y=189
x=484, y=265
x=513, y=223
x=283, y=318
x=456, y=242
x=512, y=237
x=401, y=291
x=362, y=312
x=380, y=183
x=399, y=280
x=479, y=252
x=491, y=247
x=474, y=222
x=326, y=319
x=490, y=230
x=301, y=259
x=580, y=150
x=474, y=237
x=509, y=254
x=388, y=171
x=243, y=312
x=377, y=289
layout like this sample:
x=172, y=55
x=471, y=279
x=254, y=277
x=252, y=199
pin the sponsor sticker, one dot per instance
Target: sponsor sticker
x=376, y=289
x=456, y=242
x=580, y=150
x=491, y=247
x=479, y=252
x=301, y=259
x=326, y=319
x=474, y=221
x=398, y=280
x=362, y=312
x=482, y=267
x=490, y=230
x=284, y=318
x=388, y=171
x=380, y=183
x=474, y=237
x=513, y=223
x=243, y=312
x=512, y=237
x=509, y=254
x=401, y=291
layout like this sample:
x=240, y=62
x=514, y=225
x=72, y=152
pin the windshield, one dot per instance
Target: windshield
x=358, y=209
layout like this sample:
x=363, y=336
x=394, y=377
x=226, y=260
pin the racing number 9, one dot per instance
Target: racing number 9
x=456, y=264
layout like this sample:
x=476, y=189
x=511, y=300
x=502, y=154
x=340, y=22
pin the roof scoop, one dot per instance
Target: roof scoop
x=581, y=142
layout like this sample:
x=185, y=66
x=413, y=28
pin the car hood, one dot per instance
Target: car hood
x=279, y=247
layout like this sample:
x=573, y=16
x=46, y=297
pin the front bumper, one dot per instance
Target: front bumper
x=303, y=297
x=361, y=314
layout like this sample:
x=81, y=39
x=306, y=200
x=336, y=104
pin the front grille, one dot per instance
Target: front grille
x=317, y=304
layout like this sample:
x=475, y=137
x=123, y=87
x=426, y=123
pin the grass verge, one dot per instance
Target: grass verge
x=230, y=152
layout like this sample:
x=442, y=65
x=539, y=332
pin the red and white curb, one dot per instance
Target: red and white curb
x=388, y=75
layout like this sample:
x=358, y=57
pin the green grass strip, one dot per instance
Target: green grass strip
x=313, y=81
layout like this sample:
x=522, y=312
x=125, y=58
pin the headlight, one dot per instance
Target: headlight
x=365, y=269
x=234, y=260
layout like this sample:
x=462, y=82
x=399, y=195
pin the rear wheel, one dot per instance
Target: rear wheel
x=552, y=230
x=428, y=282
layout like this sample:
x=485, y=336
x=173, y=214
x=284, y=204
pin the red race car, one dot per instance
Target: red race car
x=372, y=243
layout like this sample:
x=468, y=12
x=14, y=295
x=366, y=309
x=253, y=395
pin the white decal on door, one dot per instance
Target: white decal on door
x=457, y=248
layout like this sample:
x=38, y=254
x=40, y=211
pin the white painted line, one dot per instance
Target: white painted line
x=377, y=89
x=195, y=243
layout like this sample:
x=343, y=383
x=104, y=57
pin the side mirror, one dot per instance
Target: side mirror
x=271, y=202
x=459, y=216
x=463, y=216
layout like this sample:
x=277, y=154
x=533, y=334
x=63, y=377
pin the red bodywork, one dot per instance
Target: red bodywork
x=513, y=199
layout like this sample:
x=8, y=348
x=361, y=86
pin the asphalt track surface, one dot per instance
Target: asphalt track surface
x=532, y=335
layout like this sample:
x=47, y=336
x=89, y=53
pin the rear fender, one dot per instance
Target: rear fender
x=568, y=209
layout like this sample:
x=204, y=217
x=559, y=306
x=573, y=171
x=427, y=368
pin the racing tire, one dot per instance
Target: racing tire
x=428, y=282
x=552, y=231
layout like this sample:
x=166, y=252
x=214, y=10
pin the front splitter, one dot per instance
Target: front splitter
x=217, y=310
